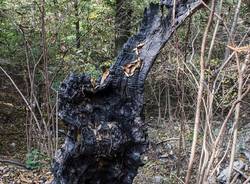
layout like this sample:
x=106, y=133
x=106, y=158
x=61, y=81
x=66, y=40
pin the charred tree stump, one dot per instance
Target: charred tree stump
x=106, y=130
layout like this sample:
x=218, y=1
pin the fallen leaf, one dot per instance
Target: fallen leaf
x=23, y=179
x=6, y=175
x=49, y=181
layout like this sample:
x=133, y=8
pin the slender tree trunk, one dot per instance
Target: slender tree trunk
x=46, y=74
x=199, y=96
x=77, y=24
x=215, y=32
x=45, y=55
x=241, y=68
x=122, y=23
x=232, y=30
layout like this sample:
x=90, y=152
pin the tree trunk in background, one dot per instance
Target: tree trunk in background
x=47, y=144
x=77, y=24
x=123, y=15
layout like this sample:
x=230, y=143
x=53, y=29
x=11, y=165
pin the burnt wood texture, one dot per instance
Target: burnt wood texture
x=106, y=131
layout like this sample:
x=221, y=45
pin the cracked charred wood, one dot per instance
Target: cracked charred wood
x=106, y=131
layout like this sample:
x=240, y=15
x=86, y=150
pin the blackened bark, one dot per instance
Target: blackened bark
x=106, y=131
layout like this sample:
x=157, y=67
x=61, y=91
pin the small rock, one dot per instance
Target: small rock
x=247, y=154
x=158, y=179
x=223, y=175
x=13, y=146
x=164, y=156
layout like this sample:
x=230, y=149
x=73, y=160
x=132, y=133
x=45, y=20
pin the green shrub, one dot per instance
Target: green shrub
x=35, y=159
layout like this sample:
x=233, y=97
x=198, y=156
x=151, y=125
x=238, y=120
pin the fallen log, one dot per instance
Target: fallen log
x=14, y=162
x=106, y=130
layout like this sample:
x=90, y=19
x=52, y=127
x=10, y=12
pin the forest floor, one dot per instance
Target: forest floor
x=165, y=161
x=161, y=160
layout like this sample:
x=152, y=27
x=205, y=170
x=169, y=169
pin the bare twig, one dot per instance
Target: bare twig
x=23, y=97
x=222, y=130
x=170, y=139
x=237, y=113
x=199, y=96
x=247, y=180
x=232, y=30
x=215, y=32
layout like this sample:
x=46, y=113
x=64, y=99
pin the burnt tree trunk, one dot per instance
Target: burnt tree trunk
x=106, y=130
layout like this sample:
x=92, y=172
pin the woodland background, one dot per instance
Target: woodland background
x=41, y=42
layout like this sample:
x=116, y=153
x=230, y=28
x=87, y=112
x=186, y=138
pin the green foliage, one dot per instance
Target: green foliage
x=97, y=32
x=35, y=159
